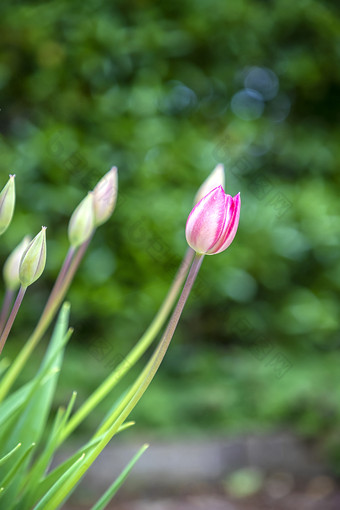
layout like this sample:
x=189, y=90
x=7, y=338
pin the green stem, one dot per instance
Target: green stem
x=136, y=353
x=60, y=279
x=138, y=388
x=6, y=306
x=44, y=321
x=147, y=376
x=60, y=289
x=11, y=318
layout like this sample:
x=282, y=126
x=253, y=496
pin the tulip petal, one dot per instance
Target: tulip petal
x=206, y=221
x=231, y=226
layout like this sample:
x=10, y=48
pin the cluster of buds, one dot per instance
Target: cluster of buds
x=94, y=210
x=27, y=261
x=211, y=226
x=210, y=229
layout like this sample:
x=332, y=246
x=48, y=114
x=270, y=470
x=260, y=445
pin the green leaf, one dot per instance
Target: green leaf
x=111, y=491
x=8, y=479
x=52, y=478
x=9, y=454
x=4, y=364
x=44, y=503
x=14, y=403
x=28, y=425
x=32, y=419
x=41, y=464
x=30, y=481
x=66, y=415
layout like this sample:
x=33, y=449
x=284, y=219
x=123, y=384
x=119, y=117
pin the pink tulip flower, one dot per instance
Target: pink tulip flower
x=213, y=222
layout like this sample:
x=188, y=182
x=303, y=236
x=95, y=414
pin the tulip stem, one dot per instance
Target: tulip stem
x=64, y=284
x=143, y=381
x=135, y=354
x=44, y=321
x=61, y=276
x=140, y=385
x=11, y=318
x=6, y=306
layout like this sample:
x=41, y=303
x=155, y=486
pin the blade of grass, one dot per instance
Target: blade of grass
x=52, y=477
x=8, y=479
x=45, y=501
x=9, y=454
x=108, y=495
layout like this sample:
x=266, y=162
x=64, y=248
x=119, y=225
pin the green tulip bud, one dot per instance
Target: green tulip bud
x=81, y=224
x=33, y=260
x=7, y=203
x=11, y=266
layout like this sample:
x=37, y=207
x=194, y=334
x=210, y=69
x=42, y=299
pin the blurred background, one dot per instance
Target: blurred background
x=165, y=91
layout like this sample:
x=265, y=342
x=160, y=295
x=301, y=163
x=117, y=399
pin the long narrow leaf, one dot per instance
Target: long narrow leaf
x=29, y=425
x=9, y=454
x=44, y=503
x=111, y=491
x=67, y=413
x=37, y=470
x=46, y=456
x=19, y=398
x=31, y=421
x=5, y=483
x=52, y=478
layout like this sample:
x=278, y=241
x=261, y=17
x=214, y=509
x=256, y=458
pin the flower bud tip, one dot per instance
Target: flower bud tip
x=105, y=196
x=7, y=203
x=215, y=179
x=81, y=224
x=12, y=264
x=33, y=260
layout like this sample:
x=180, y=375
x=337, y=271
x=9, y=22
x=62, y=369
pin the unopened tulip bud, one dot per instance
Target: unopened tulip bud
x=105, y=196
x=11, y=266
x=82, y=224
x=7, y=203
x=213, y=222
x=216, y=178
x=33, y=259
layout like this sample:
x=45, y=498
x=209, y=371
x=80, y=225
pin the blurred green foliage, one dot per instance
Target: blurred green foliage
x=165, y=91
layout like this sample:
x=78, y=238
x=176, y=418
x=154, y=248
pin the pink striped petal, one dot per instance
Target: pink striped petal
x=231, y=227
x=206, y=221
x=213, y=222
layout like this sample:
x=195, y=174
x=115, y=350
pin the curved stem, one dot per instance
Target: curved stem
x=148, y=374
x=6, y=306
x=11, y=318
x=142, y=382
x=135, y=354
x=59, y=291
x=60, y=278
x=44, y=321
